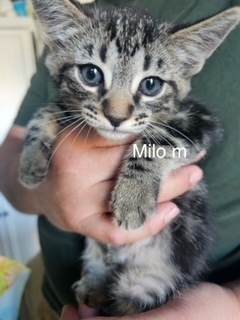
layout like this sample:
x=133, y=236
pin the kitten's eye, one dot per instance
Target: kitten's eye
x=91, y=75
x=151, y=86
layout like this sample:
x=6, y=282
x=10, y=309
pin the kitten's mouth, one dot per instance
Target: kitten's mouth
x=114, y=134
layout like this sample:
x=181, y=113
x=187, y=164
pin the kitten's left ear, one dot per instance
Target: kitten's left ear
x=59, y=19
x=193, y=45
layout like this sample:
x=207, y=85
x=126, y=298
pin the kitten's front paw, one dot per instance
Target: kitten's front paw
x=33, y=167
x=87, y=292
x=132, y=206
x=32, y=175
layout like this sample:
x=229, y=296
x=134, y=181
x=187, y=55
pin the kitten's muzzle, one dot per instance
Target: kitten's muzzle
x=117, y=111
x=115, y=122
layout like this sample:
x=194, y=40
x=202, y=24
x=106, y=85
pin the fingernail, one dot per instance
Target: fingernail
x=168, y=217
x=195, y=177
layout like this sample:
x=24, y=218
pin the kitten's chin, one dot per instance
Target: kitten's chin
x=113, y=135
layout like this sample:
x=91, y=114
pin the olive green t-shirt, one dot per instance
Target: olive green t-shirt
x=218, y=86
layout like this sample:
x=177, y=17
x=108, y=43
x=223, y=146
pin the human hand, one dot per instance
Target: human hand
x=206, y=301
x=69, y=313
x=76, y=193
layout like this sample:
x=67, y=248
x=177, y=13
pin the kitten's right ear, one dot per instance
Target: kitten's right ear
x=192, y=46
x=59, y=19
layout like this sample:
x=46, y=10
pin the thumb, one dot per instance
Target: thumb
x=85, y=312
x=69, y=313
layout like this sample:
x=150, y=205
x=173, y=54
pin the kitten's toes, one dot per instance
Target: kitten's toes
x=87, y=294
x=32, y=179
x=32, y=170
x=129, y=220
x=131, y=213
x=123, y=306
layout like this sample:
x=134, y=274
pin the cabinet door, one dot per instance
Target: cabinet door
x=18, y=233
x=17, y=65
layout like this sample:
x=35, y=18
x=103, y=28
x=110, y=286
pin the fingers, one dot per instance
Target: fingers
x=180, y=182
x=69, y=313
x=102, y=228
x=85, y=312
x=17, y=132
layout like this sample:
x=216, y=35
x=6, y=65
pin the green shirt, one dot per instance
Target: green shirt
x=218, y=86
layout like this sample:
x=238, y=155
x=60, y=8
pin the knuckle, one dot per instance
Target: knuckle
x=114, y=238
x=151, y=229
x=65, y=219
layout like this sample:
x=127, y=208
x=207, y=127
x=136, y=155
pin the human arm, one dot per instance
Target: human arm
x=21, y=198
x=206, y=301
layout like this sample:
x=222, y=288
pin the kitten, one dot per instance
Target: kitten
x=125, y=74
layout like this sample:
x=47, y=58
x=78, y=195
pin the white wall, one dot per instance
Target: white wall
x=18, y=232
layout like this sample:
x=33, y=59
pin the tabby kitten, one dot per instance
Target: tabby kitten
x=124, y=73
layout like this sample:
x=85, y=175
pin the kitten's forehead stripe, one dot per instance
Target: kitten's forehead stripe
x=147, y=62
x=112, y=29
x=135, y=49
x=119, y=47
x=148, y=34
x=160, y=63
x=103, y=53
x=89, y=49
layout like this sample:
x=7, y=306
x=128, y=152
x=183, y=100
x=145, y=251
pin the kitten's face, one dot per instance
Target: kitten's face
x=118, y=73
x=124, y=71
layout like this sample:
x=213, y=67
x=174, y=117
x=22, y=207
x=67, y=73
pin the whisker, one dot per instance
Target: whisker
x=46, y=104
x=145, y=135
x=182, y=134
x=77, y=135
x=54, y=137
x=156, y=130
x=151, y=137
x=59, y=112
x=64, y=105
x=68, y=118
x=174, y=129
x=90, y=128
x=61, y=142
x=158, y=133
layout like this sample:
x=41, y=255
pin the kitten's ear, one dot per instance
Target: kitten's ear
x=195, y=44
x=59, y=19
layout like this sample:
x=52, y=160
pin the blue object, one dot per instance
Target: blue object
x=20, y=7
x=10, y=301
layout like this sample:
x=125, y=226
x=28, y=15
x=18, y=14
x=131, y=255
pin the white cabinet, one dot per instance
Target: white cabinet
x=18, y=39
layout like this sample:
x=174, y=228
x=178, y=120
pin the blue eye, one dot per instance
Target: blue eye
x=151, y=86
x=91, y=75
